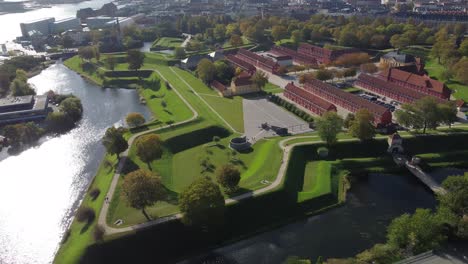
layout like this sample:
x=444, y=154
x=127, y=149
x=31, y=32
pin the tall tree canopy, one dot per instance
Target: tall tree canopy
x=328, y=126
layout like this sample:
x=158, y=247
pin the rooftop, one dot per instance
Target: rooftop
x=400, y=57
x=11, y=101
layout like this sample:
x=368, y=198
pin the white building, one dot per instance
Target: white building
x=42, y=26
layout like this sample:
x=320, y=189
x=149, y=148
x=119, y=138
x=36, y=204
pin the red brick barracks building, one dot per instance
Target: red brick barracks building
x=415, y=82
x=256, y=60
x=308, y=100
x=297, y=57
x=348, y=101
x=322, y=55
x=241, y=64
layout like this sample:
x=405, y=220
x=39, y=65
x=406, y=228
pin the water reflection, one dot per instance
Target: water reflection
x=40, y=187
x=343, y=232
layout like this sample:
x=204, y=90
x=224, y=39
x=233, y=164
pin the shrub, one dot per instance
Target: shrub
x=98, y=233
x=85, y=214
x=94, y=193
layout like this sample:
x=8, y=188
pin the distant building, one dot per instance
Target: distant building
x=308, y=100
x=71, y=23
x=282, y=60
x=42, y=26
x=241, y=84
x=397, y=59
x=192, y=61
x=23, y=109
x=323, y=55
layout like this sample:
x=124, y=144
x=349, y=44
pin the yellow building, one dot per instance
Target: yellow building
x=241, y=84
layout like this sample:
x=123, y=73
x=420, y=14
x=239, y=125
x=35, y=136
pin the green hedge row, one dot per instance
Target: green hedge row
x=121, y=74
x=290, y=107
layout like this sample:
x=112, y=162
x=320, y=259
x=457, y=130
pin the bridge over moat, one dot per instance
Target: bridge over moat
x=425, y=178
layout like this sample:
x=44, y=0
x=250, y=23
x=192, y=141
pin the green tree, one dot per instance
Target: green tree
x=86, y=53
x=448, y=112
x=423, y=113
x=228, y=176
x=362, y=126
x=135, y=59
x=380, y=253
x=224, y=71
x=296, y=37
x=141, y=188
x=324, y=74
x=260, y=79
x=58, y=122
x=149, y=148
x=463, y=49
x=348, y=120
x=236, y=40
x=179, y=53
x=206, y=70
x=114, y=142
x=72, y=108
x=328, y=126
x=67, y=42
x=202, y=204
x=416, y=233
x=135, y=119
x=279, y=32
x=453, y=206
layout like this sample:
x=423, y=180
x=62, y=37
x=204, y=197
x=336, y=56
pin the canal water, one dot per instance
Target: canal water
x=40, y=188
x=371, y=204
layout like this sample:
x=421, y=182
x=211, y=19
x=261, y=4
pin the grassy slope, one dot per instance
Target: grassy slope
x=317, y=180
x=271, y=88
x=74, y=64
x=81, y=237
x=167, y=42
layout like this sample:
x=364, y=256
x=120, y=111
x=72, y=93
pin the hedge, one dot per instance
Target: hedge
x=121, y=74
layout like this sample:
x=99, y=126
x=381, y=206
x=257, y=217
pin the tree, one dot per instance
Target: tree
x=369, y=68
x=149, y=148
x=21, y=88
x=228, y=176
x=453, y=206
x=179, y=53
x=224, y=71
x=236, y=40
x=328, y=127
x=461, y=70
x=86, y=53
x=324, y=74
x=111, y=61
x=348, y=120
x=141, y=189
x=279, y=32
x=362, y=126
x=135, y=119
x=296, y=37
x=72, y=108
x=416, y=233
x=67, y=42
x=113, y=141
x=202, y=204
x=463, y=49
x=448, y=112
x=135, y=59
x=380, y=253
x=58, y=122
x=260, y=79
x=206, y=70
x=423, y=113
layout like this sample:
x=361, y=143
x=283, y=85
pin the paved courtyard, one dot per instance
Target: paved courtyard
x=260, y=110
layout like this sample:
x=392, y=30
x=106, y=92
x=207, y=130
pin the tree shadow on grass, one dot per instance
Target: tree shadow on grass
x=129, y=166
x=88, y=224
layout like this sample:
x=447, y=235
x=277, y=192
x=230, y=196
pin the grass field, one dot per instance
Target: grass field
x=271, y=88
x=317, y=180
x=435, y=70
x=167, y=43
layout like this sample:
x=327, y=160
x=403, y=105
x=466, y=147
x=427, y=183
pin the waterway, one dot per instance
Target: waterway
x=371, y=204
x=11, y=22
x=40, y=188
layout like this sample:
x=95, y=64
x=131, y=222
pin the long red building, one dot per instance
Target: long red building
x=297, y=57
x=348, y=101
x=416, y=82
x=322, y=55
x=387, y=89
x=261, y=62
x=306, y=99
x=241, y=64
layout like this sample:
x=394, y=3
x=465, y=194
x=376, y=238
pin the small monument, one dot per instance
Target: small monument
x=395, y=144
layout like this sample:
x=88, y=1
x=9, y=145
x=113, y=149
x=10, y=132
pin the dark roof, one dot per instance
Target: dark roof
x=300, y=58
x=252, y=56
x=413, y=79
x=400, y=57
x=310, y=97
x=218, y=86
x=392, y=87
x=242, y=80
x=240, y=63
x=339, y=94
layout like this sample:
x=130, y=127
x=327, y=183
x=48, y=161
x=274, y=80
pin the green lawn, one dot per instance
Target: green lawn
x=81, y=236
x=435, y=70
x=255, y=167
x=272, y=88
x=230, y=109
x=167, y=43
x=91, y=72
x=317, y=180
